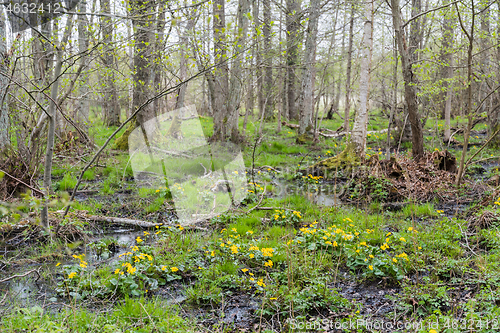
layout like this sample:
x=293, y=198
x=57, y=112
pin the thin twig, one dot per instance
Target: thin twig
x=21, y=275
x=20, y=181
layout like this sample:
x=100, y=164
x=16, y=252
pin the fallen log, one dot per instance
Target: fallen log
x=119, y=220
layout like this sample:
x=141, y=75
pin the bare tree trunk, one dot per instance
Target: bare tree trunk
x=360, y=126
x=110, y=106
x=83, y=108
x=494, y=115
x=258, y=58
x=292, y=54
x=470, y=37
x=348, y=71
x=235, y=91
x=268, y=63
x=306, y=104
x=47, y=176
x=220, y=78
x=160, y=40
x=447, y=72
x=142, y=28
x=4, y=81
x=410, y=89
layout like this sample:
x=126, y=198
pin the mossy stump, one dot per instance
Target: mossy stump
x=347, y=159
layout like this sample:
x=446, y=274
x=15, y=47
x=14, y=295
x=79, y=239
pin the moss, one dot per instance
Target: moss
x=347, y=159
x=121, y=143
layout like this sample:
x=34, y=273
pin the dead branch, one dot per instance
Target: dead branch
x=21, y=275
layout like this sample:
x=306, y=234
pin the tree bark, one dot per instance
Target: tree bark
x=360, y=126
x=268, y=63
x=235, y=91
x=447, y=72
x=292, y=41
x=83, y=107
x=220, y=80
x=110, y=106
x=4, y=82
x=409, y=80
x=347, y=106
x=47, y=175
x=306, y=104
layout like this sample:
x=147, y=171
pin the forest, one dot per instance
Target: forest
x=250, y=166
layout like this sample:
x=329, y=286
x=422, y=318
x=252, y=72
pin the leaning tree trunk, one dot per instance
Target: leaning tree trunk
x=494, y=119
x=4, y=81
x=110, y=106
x=409, y=80
x=292, y=41
x=306, y=104
x=359, y=129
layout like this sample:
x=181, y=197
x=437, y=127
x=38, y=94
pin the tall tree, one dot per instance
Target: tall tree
x=410, y=82
x=359, y=128
x=220, y=78
x=83, y=106
x=447, y=71
x=268, y=63
x=110, y=104
x=235, y=91
x=4, y=81
x=347, y=103
x=292, y=54
x=306, y=104
x=494, y=114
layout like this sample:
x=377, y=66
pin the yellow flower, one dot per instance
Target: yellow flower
x=234, y=249
x=138, y=239
x=117, y=271
x=261, y=283
x=234, y=229
x=244, y=270
x=250, y=232
x=83, y=264
x=370, y=267
x=394, y=259
x=268, y=263
x=371, y=256
x=402, y=239
x=131, y=269
x=410, y=229
x=174, y=269
x=163, y=268
x=72, y=275
x=433, y=331
x=58, y=264
x=251, y=255
x=212, y=253
x=146, y=233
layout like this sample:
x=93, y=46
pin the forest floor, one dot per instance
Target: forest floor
x=365, y=250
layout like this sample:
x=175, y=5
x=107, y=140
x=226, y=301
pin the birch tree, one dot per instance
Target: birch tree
x=359, y=129
x=306, y=104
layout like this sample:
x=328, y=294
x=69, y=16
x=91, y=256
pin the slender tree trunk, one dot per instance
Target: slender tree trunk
x=111, y=108
x=183, y=42
x=410, y=89
x=268, y=63
x=235, y=91
x=447, y=72
x=494, y=116
x=292, y=54
x=83, y=108
x=258, y=58
x=359, y=128
x=47, y=175
x=306, y=104
x=470, y=37
x=160, y=40
x=220, y=78
x=347, y=103
x=4, y=81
